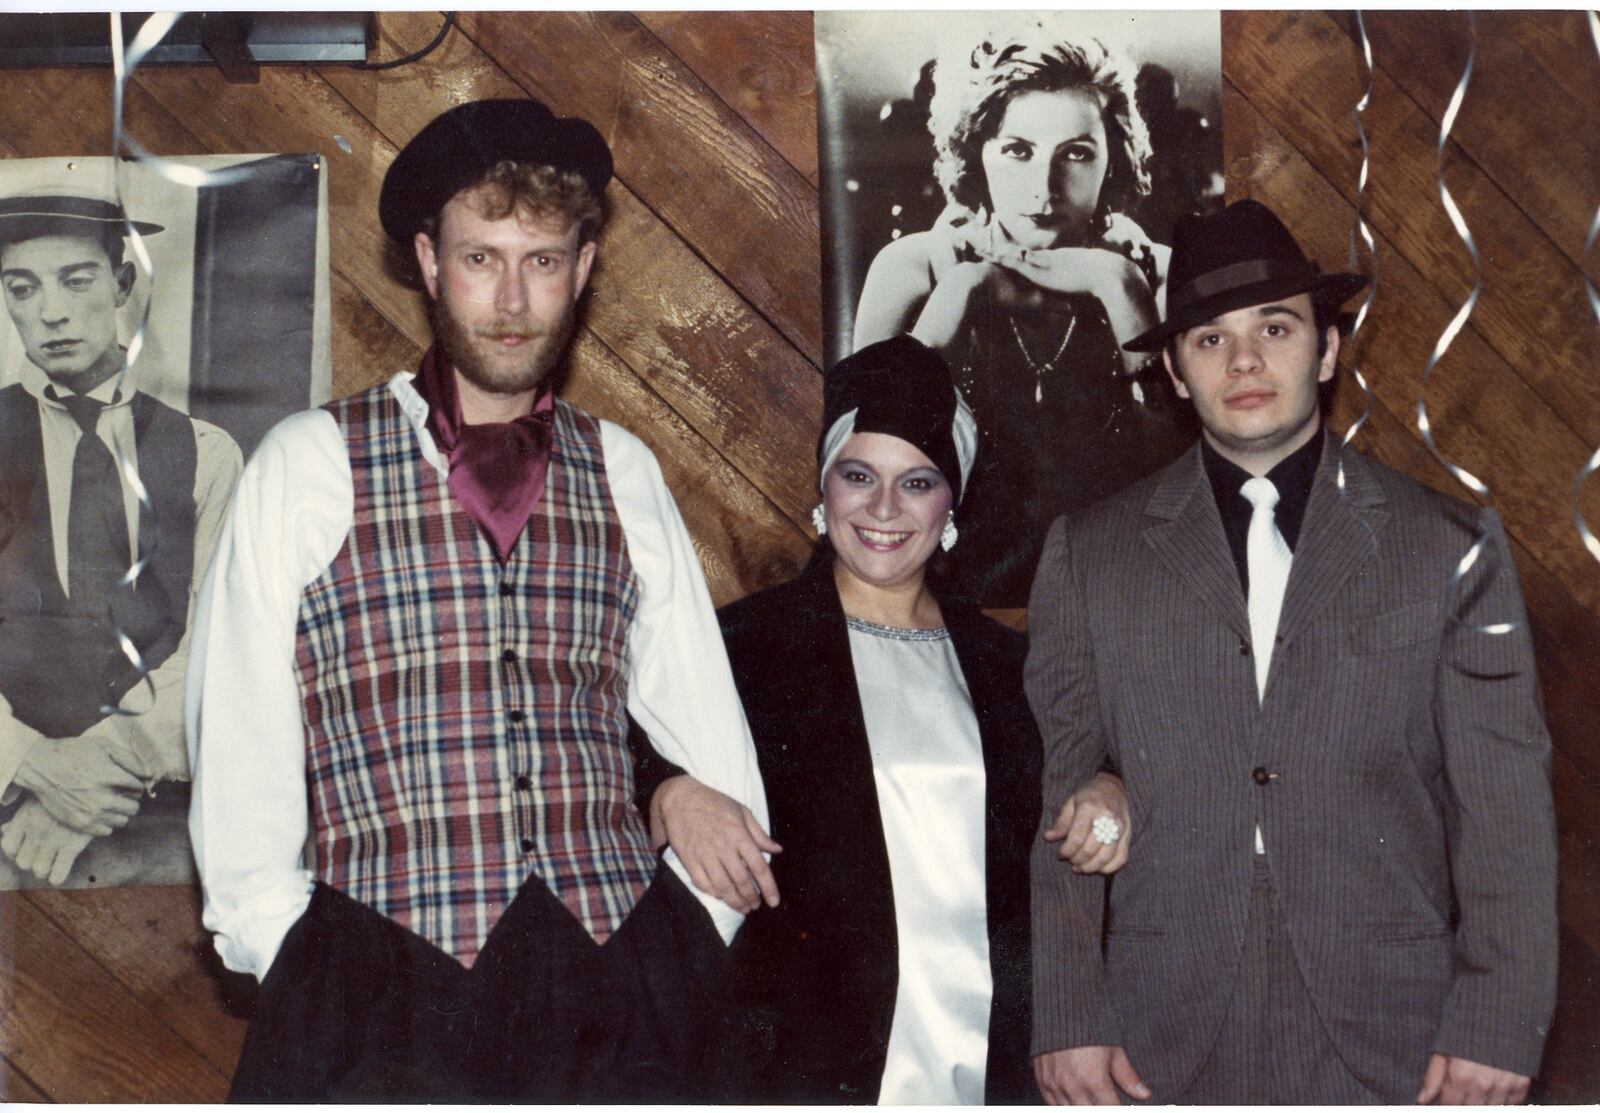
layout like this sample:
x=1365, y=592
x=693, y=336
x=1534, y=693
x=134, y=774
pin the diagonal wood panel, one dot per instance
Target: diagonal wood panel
x=1534, y=139
x=16, y=1086
x=686, y=154
x=771, y=80
x=1529, y=503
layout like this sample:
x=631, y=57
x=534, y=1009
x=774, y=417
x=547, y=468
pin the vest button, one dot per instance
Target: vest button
x=524, y=782
x=527, y=846
x=516, y=716
x=507, y=589
x=1260, y=775
x=508, y=656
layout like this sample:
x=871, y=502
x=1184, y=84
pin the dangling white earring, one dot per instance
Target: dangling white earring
x=819, y=520
x=947, y=537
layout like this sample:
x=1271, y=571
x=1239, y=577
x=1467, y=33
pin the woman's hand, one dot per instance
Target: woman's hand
x=945, y=312
x=1110, y=276
x=1101, y=796
x=1124, y=235
x=718, y=840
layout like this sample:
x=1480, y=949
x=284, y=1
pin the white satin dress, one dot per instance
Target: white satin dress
x=927, y=762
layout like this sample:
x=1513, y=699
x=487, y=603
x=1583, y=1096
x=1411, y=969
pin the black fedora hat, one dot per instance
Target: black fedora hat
x=459, y=147
x=1239, y=257
x=27, y=215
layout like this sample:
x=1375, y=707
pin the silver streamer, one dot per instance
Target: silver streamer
x=1372, y=250
x=1589, y=468
x=1446, y=338
x=123, y=63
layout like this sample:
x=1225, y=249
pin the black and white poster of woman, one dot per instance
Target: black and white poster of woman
x=156, y=325
x=1004, y=187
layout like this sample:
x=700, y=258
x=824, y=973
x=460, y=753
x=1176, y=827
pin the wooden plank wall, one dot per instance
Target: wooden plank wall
x=704, y=336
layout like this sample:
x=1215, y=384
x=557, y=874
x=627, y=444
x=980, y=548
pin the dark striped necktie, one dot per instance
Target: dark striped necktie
x=97, y=524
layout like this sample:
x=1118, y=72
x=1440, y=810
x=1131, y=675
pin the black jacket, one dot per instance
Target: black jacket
x=816, y=977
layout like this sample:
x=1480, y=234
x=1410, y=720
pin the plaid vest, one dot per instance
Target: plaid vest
x=466, y=723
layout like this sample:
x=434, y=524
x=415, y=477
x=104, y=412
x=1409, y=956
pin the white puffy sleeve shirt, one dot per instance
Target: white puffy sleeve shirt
x=291, y=513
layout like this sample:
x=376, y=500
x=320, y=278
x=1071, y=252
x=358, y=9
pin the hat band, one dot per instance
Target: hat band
x=1235, y=275
x=62, y=207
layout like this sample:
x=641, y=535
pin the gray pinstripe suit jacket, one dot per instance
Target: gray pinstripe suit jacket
x=1408, y=819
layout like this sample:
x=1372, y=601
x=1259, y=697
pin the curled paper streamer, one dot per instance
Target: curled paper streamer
x=1447, y=337
x=1593, y=464
x=150, y=34
x=1372, y=250
x=123, y=63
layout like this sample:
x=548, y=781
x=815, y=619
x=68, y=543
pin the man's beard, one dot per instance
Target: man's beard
x=468, y=349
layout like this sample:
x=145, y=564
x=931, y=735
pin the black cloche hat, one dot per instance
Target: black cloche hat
x=1239, y=257
x=901, y=387
x=27, y=215
x=462, y=145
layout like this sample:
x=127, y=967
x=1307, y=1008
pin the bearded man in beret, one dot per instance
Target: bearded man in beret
x=434, y=606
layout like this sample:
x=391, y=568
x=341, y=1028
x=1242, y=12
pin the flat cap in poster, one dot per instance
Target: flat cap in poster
x=461, y=146
x=1239, y=257
x=27, y=215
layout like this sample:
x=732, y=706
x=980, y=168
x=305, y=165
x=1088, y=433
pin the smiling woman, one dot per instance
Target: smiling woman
x=901, y=767
x=886, y=506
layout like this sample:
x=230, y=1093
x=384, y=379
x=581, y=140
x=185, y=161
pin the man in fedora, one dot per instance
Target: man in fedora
x=73, y=523
x=1316, y=680
x=434, y=606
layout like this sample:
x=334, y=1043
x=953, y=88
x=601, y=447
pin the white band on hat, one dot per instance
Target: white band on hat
x=963, y=431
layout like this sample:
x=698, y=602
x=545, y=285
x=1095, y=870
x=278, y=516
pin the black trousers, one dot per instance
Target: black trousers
x=357, y=1008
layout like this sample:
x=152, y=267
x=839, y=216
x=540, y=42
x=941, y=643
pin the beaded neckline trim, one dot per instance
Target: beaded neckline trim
x=896, y=633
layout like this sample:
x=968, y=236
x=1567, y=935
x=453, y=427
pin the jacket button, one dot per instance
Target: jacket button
x=1244, y=649
x=1260, y=775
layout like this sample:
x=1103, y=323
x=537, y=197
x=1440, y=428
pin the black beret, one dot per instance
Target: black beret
x=461, y=146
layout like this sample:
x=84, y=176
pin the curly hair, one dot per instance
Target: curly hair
x=972, y=90
x=539, y=192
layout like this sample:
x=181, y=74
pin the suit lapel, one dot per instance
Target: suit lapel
x=1338, y=537
x=1184, y=528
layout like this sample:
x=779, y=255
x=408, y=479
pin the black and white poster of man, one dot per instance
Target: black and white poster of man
x=1003, y=186
x=156, y=325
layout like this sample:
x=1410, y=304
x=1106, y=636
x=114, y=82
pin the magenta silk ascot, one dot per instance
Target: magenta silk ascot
x=497, y=469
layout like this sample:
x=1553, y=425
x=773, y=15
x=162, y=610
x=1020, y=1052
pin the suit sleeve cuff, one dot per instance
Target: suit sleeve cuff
x=1494, y=1041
